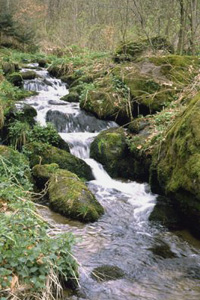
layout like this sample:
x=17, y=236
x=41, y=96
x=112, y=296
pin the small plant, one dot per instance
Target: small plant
x=20, y=133
x=46, y=134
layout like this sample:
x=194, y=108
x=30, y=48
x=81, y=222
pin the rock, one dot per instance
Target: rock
x=138, y=125
x=58, y=70
x=9, y=68
x=42, y=62
x=16, y=79
x=107, y=273
x=162, y=250
x=104, y=103
x=46, y=154
x=128, y=51
x=165, y=214
x=28, y=75
x=70, y=197
x=71, y=97
x=110, y=149
x=42, y=173
x=148, y=96
x=176, y=170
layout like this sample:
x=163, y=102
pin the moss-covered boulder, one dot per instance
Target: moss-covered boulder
x=42, y=173
x=9, y=68
x=70, y=197
x=165, y=214
x=110, y=149
x=28, y=75
x=176, y=168
x=16, y=79
x=71, y=97
x=42, y=62
x=130, y=50
x=105, y=103
x=177, y=68
x=46, y=154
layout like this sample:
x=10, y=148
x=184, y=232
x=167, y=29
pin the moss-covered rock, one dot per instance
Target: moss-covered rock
x=46, y=154
x=162, y=250
x=16, y=79
x=42, y=173
x=42, y=62
x=105, y=103
x=128, y=51
x=176, y=168
x=110, y=149
x=29, y=75
x=165, y=214
x=71, y=97
x=9, y=68
x=180, y=69
x=70, y=197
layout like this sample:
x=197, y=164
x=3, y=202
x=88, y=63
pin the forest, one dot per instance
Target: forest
x=101, y=25
x=99, y=149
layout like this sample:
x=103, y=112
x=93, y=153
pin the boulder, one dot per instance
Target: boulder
x=47, y=154
x=42, y=62
x=106, y=104
x=16, y=79
x=176, y=167
x=28, y=75
x=42, y=173
x=9, y=68
x=110, y=149
x=71, y=97
x=69, y=196
x=164, y=214
x=130, y=50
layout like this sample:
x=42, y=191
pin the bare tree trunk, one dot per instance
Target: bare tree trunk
x=193, y=24
x=182, y=28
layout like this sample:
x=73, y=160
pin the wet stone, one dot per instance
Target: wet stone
x=162, y=250
x=107, y=273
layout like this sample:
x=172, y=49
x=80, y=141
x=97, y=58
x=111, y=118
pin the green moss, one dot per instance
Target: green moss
x=70, y=197
x=130, y=50
x=178, y=167
x=110, y=149
x=179, y=69
x=46, y=154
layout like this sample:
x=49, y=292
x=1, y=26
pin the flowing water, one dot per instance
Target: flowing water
x=157, y=264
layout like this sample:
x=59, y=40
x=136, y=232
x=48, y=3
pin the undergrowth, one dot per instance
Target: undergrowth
x=32, y=262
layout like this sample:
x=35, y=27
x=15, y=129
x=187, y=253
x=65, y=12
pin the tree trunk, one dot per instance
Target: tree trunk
x=182, y=28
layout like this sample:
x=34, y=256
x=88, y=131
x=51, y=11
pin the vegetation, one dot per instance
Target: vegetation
x=57, y=24
x=31, y=261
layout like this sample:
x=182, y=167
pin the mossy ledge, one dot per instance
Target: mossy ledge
x=176, y=167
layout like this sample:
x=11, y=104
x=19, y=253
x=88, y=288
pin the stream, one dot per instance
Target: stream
x=157, y=264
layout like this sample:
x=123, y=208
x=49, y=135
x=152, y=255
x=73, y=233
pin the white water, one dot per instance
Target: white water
x=122, y=236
